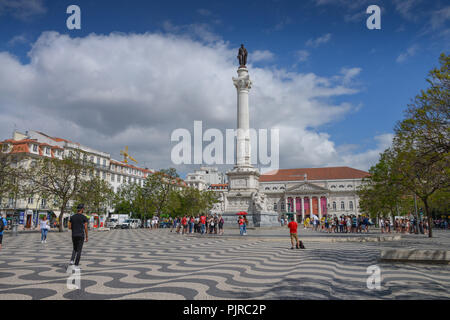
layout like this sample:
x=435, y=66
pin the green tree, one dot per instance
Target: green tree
x=422, y=141
x=96, y=194
x=125, y=199
x=59, y=179
x=7, y=174
x=158, y=188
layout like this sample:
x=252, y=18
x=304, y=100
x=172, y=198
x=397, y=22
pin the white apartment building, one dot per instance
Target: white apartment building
x=34, y=144
x=204, y=177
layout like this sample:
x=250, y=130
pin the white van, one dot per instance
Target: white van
x=131, y=224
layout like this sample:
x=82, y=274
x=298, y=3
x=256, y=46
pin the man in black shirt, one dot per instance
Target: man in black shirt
x=78, y=224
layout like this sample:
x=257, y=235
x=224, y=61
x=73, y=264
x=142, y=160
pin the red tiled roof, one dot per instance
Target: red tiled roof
x=20, y=148
x=330, y=173
x=20, y=141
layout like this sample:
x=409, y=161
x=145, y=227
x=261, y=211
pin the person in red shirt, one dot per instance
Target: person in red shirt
x=241, y=222
x=293, y=231
x=184, y=224
x=203, y=223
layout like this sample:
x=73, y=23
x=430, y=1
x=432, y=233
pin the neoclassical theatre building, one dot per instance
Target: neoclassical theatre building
x=319, y=191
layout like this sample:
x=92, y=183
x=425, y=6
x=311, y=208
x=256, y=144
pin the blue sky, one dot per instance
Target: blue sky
x=326, y=38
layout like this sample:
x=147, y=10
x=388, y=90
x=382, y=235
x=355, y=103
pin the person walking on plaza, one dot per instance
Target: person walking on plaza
x=245, y=225
x=221, y=223
x=183, y=225
x=44, y=226
x=191, y=224
x=78, y=223
x=216, y=222
x=3, y=224
x=203, y=223
x=197, y=224
x=241, y=223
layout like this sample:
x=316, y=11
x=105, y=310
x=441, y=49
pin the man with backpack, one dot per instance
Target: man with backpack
x=294, y=235
x=3, y=224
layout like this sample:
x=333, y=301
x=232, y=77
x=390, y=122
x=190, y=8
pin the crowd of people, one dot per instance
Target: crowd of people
x=202, y=224
x=361, y=223
x=334, y=224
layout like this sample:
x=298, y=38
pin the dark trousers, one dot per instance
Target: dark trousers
x=77, y=247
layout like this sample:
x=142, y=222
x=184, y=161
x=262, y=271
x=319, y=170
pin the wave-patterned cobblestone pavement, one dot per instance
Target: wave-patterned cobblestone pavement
x=145, y=264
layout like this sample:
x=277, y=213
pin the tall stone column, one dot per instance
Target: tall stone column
x=243, y=84
x=320, y=207
x=294, y=204
x=303, y=208
x=310, y=207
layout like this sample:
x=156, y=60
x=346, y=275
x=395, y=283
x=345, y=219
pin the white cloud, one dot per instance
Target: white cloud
x=302, y=55
x=319, y=41
x=18, y=39
x=22, y=9
x=354, y=4
x=439, y=18
x=262, y=55
x=349, y=74
x=405, y=8
x=410, y=52
x=204, y=12
x=366, y=159
x=108, y=91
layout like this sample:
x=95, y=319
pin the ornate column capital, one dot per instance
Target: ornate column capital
x=242, y=83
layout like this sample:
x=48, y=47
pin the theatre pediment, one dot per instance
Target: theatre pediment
x=306, y=187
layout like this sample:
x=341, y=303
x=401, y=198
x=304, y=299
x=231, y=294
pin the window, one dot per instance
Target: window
x=30, y=200
x=333, y=187
x=113, y=177
x=266, y=188
x=283, y=206
x=98, y=160
x=342, y=205
x=35, y=148
x=104, y=175
x=104, y=162
x=341, y=186
x=351, y=205
x=349, y=186
x=334, y=205
x=47, y=150
x=92, y=158
x=275, y=206
x=43, y=203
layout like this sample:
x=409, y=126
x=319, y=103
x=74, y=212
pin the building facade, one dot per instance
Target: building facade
x=319, y=191
x=32, y=145
x=302, y=192
x=203, y=178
